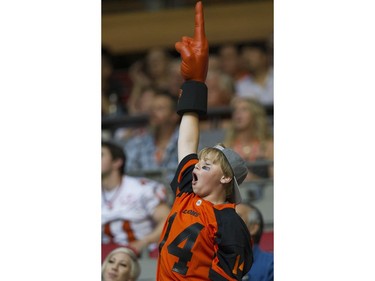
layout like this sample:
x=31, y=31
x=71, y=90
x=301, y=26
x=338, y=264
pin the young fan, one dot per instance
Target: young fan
x=203, y=237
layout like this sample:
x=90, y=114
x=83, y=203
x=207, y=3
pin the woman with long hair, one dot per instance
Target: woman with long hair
x=250, y=136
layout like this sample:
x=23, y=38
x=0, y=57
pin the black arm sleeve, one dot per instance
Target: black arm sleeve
x=193, y=98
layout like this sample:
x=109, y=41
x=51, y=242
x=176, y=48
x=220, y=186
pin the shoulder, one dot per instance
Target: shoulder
x=175, y=134
x=262, y=256
x=228, y=219
x=226, y=211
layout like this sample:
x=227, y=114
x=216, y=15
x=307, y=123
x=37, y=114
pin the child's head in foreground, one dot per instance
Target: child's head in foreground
x=219, y=166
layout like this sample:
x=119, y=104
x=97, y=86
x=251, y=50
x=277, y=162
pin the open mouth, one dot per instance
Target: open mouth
x=195, y=178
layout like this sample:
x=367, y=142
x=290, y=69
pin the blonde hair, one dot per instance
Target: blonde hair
x=217, y=157
x=135, y=268
x=260, y=128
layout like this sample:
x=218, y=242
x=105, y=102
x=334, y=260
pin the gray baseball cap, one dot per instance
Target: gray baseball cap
x=239, y=169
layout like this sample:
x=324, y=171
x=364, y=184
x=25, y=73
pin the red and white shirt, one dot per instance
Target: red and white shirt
x=127, y=210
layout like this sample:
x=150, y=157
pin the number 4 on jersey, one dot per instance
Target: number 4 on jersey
x=184, y=253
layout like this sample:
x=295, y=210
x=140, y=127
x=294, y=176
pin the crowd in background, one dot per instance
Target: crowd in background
x=244, y=70
x=239, y=79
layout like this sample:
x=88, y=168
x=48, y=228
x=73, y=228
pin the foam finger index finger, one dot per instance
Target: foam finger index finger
x=199, y=33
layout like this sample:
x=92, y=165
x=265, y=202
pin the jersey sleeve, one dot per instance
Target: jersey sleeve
x=183, y=176
x=234, y=255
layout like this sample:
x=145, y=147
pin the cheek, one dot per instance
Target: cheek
x=211, y=179
x=105, y=272
x=124, y=274
x=106, y=164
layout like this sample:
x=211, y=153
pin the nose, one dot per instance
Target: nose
x=114, y=267
x=197, y=166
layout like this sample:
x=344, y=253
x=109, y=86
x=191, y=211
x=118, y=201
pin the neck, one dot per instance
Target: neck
x=111, y=181
x=163, y=135
x=216, y=199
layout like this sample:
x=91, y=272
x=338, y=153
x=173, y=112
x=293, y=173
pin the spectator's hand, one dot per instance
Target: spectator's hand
x=138, y=246
x=194, y=51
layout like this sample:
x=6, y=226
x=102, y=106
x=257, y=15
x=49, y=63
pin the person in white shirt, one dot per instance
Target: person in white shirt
x=133, y=209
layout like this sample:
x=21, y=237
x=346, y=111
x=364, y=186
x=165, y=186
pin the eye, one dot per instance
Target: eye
x=123, y=264
x=111, y=261
x=205, y=168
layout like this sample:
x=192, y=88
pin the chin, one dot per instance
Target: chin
x=196, y=190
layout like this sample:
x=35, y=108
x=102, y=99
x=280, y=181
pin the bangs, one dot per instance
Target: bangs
x=217, y=157
x=211, y=153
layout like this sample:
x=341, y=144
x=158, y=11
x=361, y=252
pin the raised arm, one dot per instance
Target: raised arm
x=193, y=97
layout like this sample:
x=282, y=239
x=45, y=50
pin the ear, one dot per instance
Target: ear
x=253, y=228
x=225, y=179
x=117, y=163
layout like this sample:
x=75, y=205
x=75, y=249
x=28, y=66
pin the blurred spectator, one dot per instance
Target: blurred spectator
x=142, y=103
x=220, y=92
x=220, y=85
x=133, y=209
x=115, y=87
x=250, y=136
x=220, y=89
x=262, y=268
x=157, y=67
x=175, y=77
x=231, y=64
x=152, y=71
x=257, y=60
x=156, y=148
x=121, y=264
x=214, y=63
x=141, y=81
x=137, y=106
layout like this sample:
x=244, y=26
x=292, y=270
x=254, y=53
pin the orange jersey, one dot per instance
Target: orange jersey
x=202, y=241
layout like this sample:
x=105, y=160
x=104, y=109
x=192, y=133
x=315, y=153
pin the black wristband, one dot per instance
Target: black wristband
x=193, y=98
